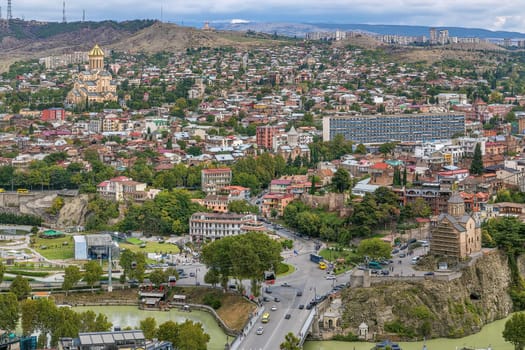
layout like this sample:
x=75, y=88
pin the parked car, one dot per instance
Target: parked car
x=330, y=277
x=266, y=299
x=429, y=273
x=301, y=307
x=285, y=284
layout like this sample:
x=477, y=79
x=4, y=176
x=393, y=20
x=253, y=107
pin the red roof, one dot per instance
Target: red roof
x=218, y=170
x=379, y=166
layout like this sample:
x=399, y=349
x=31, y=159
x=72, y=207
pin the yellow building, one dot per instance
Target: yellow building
x=94, y=85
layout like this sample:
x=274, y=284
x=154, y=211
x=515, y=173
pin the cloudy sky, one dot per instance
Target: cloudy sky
x=488, y=14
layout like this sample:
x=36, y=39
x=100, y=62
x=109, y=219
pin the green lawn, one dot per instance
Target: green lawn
x=133, y=240
x=54, y=248
x=151, y=247
x=284, y=269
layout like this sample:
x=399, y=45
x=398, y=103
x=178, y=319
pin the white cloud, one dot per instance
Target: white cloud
x=490, y=14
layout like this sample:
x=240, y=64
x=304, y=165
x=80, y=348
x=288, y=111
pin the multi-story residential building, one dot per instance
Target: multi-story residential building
x=264, y=135
x=236, y=192
x=387, y=128
x=215, y=203
x=53, y=115
x=457, y=234
x=275, y=201
x=213, y=180
x=212, y=226
x=121, y=187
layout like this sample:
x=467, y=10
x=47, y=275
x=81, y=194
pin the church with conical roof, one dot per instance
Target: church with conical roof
x=95, y=85
x=456, y=234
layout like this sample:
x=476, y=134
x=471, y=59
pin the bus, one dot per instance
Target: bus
x=375, y=265
x=269, y=277
x=265, y=317
x=322, y=265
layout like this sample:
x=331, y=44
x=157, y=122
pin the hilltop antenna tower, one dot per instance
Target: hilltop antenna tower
x=9, y=13
x=83, y=15
x=64, y=11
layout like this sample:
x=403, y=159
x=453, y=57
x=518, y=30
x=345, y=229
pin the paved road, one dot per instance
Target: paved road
x=308, y=279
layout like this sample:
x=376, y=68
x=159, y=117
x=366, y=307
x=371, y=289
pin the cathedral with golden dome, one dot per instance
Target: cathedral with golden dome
x=95, y=84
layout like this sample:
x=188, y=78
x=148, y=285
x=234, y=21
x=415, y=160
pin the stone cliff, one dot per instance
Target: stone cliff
x=433, y=308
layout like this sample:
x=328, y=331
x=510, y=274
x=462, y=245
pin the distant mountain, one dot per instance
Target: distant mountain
x=300, y=29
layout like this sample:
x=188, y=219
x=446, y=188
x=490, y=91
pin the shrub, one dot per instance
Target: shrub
x=212, y=300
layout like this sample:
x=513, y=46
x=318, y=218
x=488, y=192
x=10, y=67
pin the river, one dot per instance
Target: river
x=489, y=335
x=131, y=316
x=124, y=316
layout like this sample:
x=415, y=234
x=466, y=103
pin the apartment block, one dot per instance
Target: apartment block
x=387, y=128
x=213, y=180
x=212, y=226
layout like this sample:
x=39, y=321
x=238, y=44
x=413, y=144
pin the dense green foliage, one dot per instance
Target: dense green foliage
x=374, y=248
x=20, y=219
x=188, y=335
x=167, y=214
x=134, y=264
x=508, y=234
x=8, y=311
x=375, y=210
x=245, y=256
x=20, y=287
x=476, y=167
x=514, y=331
x=242, y=207
x=100, y=210
x=43, y=316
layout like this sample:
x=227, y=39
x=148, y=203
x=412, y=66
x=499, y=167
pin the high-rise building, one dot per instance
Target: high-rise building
x=264, y=136
x=433, y=36
x=387, y=128
x=443, y=37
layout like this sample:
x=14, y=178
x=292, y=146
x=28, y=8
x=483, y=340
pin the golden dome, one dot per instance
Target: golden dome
x=96, y=51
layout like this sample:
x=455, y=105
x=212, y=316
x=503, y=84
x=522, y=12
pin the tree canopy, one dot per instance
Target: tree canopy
x=245, y=256
x=514, y=331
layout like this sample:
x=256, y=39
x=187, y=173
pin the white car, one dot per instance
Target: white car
x=274, y=308
x=330, y=277
x=260, y=331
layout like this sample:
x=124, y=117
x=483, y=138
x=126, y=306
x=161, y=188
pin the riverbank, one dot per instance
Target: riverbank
x=490, y=334
x=234, y=310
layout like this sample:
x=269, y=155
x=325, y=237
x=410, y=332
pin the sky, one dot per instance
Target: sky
x=488, y=14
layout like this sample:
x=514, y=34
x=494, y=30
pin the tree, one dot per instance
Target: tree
x=341, y=180
x=149, y=327
x=72, y=275
x=242, y=207
x=89, y=321
x=2, y=271
x=360, y=149
x=93, y=272
x=8, y=311
x=245, y=256
x=291, y=342
x=157, y=277
x=374, y=248
x=20, y=287
x=514, y=331
x=387, y=148
x=168, y=331
x=191, y=336
x=476, y=167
